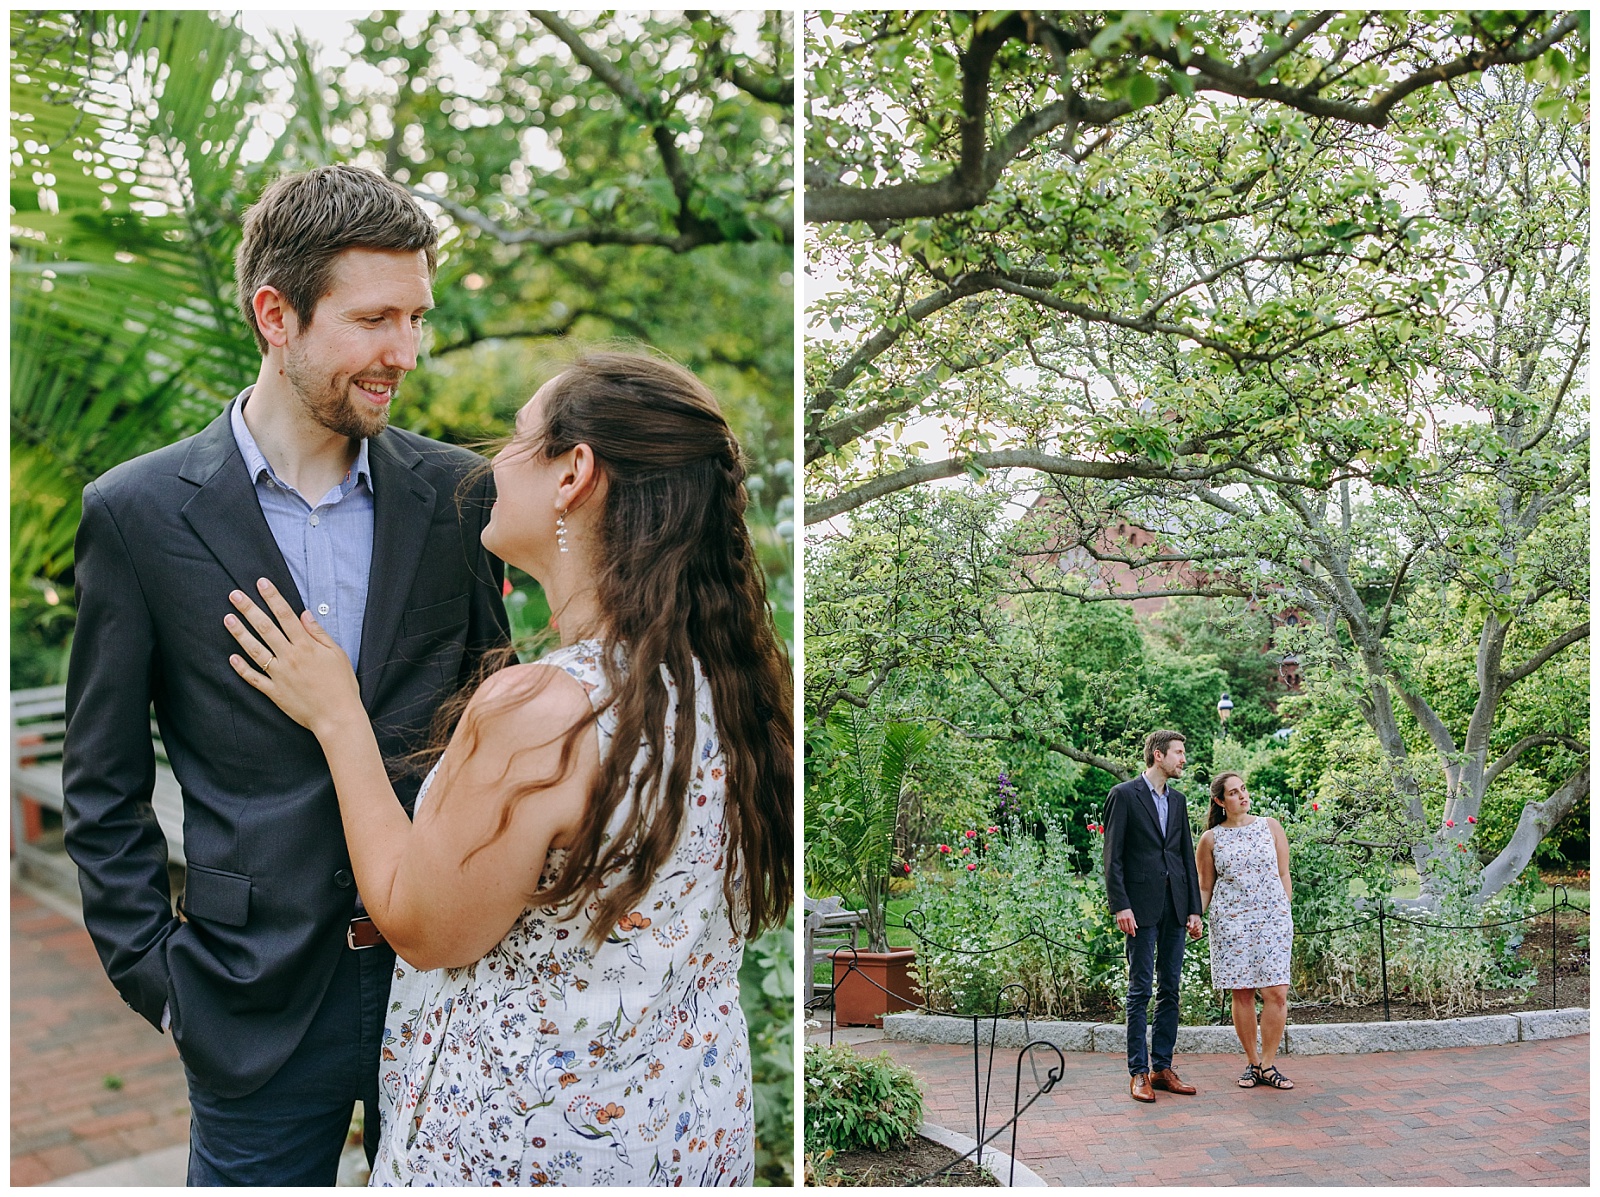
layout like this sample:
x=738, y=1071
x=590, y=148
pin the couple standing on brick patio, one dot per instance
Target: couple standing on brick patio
x=1158, y=886
x=568, y=923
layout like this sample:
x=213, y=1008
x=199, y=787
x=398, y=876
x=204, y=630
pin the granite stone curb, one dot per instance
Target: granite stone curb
x=1554, y=1024
x=996, y=1163
x=1307, y=1039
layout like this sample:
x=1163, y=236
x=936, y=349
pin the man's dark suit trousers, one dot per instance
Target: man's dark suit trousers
x=1154, y=952
x=292, y=1130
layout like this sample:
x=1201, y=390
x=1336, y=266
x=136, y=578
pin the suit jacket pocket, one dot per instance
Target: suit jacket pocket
x=215, y=896
x=422, y=620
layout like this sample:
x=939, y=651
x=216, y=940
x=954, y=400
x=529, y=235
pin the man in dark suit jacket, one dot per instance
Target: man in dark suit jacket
x=1153, y=887
x=271, y=979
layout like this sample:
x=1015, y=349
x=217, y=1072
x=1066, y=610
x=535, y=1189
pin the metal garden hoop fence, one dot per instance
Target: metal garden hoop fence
x=982, y=1079
x=915, y=921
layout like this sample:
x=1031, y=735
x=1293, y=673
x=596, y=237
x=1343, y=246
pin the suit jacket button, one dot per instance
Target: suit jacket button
x=343, y=879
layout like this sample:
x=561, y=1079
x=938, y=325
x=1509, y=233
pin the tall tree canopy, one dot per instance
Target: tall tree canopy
x=1012, y=208
x=1443, y=573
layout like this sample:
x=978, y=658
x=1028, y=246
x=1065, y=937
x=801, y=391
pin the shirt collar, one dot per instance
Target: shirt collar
x=256, y=462
x=1155, y=793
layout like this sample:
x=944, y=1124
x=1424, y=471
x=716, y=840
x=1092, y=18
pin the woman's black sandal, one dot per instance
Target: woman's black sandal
x=1247, y=1078
x=1271, y=1076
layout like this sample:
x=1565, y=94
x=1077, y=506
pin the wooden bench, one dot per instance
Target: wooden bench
x=828, y=927
x=38, y=724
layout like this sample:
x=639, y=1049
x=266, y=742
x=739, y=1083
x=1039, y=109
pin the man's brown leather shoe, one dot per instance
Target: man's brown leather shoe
x=1170, y=1081
x=1139, y=1087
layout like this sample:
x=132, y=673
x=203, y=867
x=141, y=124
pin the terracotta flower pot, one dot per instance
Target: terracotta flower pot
x=859, y=997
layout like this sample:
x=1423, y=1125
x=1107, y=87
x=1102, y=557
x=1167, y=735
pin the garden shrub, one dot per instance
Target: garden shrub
x=1039, y=891
x=855, y=1102
x=1042, y=903
x=766, y=994
x=1446, y=967
x=1339, y=964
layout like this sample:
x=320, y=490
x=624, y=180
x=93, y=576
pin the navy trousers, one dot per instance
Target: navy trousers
x=1155, y=955
x=292, y=1130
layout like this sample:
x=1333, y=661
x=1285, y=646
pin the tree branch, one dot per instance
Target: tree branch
x=1538, y=820
x=1032, y=459
x=1527, y=742
x=1571, y=636
x=549, y=239
x=969, y=183
x=1237, y=80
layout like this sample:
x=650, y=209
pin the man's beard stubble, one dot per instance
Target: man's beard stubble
x=329, y=403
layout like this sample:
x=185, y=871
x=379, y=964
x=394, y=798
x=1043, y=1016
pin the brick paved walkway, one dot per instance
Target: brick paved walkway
x=69, y=1032
x=1514, y=1114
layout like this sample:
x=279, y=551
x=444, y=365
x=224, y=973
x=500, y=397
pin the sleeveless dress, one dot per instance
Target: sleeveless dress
x=1252, y=931
x=549, y=1063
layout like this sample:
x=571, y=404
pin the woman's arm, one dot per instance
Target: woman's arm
x=1280, y=842
x=1206, y=869
x=440, y=901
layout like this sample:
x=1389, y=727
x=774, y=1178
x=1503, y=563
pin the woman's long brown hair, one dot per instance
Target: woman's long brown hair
x=1219, y=787
x=677, y=580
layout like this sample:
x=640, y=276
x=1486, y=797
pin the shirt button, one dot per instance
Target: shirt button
x=322, y=608
x=315, y=519
x=343, y=879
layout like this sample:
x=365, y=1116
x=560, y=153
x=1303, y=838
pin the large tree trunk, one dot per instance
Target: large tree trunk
x=1538, y=820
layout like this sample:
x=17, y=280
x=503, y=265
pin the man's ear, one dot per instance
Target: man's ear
x=274, y=317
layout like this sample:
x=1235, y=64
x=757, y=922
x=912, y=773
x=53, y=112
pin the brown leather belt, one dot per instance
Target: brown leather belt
x=363, y=933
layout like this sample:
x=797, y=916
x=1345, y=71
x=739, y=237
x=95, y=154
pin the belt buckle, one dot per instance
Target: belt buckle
x=350, y=934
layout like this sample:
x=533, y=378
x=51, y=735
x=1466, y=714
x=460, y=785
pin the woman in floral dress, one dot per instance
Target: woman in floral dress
x=1243, y=862
x=570, y=916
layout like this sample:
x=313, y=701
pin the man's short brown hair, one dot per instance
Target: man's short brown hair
x=303, y=222
x=1157, y=742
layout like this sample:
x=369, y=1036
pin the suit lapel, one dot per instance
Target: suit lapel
x=1148, y=802
x=226, y=514
x=402, y=511
x=1176, y=810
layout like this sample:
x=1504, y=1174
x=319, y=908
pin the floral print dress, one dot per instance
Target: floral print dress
x=1252, y=931
x=547, y=1062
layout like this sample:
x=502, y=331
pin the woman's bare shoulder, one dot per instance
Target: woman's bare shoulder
x=523, y=698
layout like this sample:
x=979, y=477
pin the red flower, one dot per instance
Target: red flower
x=970, y=867
x=505, y=590
x=1472, y=818
x=966, y=851
x=944, y=848
x=1316, y=806
x=1099, y=829
x=908, y=869
x=1449, y=822
x=1463, y=847
x=993, y=830
x=972, y=835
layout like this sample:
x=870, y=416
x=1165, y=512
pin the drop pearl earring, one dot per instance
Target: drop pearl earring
x=561, y=531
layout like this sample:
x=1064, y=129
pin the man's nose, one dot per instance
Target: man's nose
x=400, y=349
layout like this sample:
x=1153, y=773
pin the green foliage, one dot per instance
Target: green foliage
x=1447, y=968
x=1132, y=198
x=1031, y=912
x=853, y=1102
x=127, y=189
x=1335, y=885
x=766, y=992
x=862, y=769
x=1040, y=891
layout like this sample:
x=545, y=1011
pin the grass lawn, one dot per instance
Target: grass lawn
x=1407, y=886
